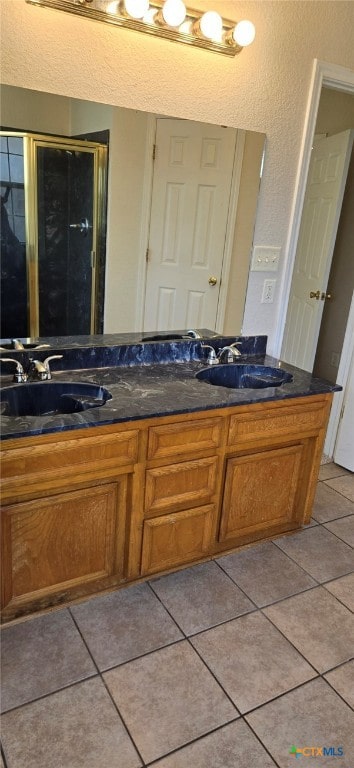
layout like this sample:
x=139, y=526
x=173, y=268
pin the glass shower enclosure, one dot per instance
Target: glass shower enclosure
x=53, y=217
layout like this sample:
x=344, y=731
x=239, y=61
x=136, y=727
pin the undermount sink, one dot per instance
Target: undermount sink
x=165, y=337
x=239, y=376
x=44, y=398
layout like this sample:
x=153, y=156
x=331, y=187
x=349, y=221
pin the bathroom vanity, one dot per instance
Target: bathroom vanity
x=170, y=471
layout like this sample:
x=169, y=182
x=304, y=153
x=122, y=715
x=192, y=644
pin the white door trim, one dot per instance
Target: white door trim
x=342, y=379
x=145, y=222
x=145, y=225
x=341, y=79
x=230, y=229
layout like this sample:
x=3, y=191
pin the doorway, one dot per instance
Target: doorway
x=339, y=80
x=52, y=199
x=311, y=289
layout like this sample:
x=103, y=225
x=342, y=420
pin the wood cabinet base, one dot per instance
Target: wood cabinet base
x=146, y=500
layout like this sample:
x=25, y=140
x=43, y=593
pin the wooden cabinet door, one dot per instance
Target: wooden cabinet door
x=261, y=494
x=62, y=545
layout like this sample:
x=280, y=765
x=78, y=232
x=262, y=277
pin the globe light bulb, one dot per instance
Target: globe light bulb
x=174, y=12
x=112, y=7
x=136, y=8
x=211, y=25
x=244, y=33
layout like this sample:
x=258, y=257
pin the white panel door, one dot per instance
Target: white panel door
x=189, y=211
x=323, y=201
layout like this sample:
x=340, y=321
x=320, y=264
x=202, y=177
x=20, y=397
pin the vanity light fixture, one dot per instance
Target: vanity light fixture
x=165, y=18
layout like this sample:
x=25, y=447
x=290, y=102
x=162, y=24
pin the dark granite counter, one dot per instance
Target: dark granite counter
x=152, y=379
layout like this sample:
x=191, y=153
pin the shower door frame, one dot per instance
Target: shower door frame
x=31, y=141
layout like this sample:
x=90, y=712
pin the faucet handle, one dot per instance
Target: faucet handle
x=20, y=376
x=51, y=357
x=47, y=361
x=236, y=344
x=212, y=358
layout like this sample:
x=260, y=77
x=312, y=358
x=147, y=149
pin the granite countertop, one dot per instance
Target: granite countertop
x=150, y=380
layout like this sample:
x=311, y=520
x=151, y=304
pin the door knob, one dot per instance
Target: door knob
x=315, y=295
x=212, y=280
x=325, y=296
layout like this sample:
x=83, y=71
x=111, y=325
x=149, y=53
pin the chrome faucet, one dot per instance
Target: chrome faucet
x=41, y=370
x=18, y=345
x=211, y=359
x=231, y=350
x=193, y=334
x=19, y=376
x=215, y=358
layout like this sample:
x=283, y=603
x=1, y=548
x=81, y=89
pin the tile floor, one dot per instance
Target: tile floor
x=227, y=664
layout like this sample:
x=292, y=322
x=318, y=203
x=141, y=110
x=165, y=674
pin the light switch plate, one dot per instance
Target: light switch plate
x=265, y=258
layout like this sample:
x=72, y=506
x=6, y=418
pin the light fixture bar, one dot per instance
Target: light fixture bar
x=113, y=12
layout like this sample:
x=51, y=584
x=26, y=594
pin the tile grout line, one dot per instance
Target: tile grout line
x=198, y=654
x=336, y=534
x=3, y=756
x=318, y=672
x=315, y=527
x=100, y=675
x=261, y=742
x=193, y=741
x=50, y=693
x=286, y=597
x=213, y=626
x=335, y=489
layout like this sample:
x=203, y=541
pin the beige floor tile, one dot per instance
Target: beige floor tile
x=124, y=625
x=167, y=699
x=342, y=679
x=265, y=573
x=230, y=746
x=40, y=656
x=343, y=528
x=343, y=485
x=320, y=553
x=75, y=728
x=329, y=504
x=320, y=627
x=310, y=716
x=343, y=589
x=252, y=661
x=327, y=471
x=201, y=597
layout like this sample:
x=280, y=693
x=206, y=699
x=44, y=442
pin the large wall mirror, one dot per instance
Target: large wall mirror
x=181, y=207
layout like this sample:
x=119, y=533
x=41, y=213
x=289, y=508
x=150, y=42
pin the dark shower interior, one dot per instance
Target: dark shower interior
x=65, y=202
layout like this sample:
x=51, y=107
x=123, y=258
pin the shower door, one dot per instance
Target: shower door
x=64, y=183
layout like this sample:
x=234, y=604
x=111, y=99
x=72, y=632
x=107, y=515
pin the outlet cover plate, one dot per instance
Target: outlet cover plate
x=265, y=258
x=268, y=291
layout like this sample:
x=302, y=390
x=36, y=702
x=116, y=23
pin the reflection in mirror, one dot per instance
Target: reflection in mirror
x=52, y=234
x=180, y=219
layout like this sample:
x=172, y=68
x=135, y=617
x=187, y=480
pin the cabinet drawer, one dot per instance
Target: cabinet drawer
x=184, y=437
x=54, y=462
x=269, y=423
x=179, y=486
x=176, y=539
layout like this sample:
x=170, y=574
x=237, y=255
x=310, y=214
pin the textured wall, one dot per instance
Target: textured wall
x=263, y=89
